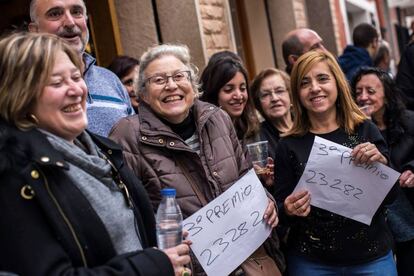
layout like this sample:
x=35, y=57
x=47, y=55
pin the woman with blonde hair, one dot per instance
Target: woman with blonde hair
x=321, y=242
x=69, y=205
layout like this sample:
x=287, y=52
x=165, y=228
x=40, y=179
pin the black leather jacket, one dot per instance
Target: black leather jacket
x=47, y=225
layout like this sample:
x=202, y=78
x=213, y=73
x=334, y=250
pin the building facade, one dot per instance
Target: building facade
x=253, y=28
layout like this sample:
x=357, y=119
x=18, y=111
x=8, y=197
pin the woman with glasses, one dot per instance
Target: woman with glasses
x=321, y=242
x=270, y=91
x=177, y=141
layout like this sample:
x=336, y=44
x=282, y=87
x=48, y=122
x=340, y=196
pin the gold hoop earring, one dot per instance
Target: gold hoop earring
x=34, y=119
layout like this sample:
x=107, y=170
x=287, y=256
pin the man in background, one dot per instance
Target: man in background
x=107, y=100
x=298, y=42
x=365, y=38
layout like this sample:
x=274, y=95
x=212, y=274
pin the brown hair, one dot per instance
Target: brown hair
x=26, y=62
x=348, y=113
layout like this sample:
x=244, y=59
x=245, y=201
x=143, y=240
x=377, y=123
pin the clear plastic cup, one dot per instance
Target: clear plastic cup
x=258, y=153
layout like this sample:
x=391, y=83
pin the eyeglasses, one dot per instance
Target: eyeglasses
x=162, y=79
x=266, y=95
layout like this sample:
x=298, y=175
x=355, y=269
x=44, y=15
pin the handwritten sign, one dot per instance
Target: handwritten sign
x=338, y=185
x=231, y=227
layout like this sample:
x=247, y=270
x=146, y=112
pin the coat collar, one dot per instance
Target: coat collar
x=32, y=145
x=150, y=122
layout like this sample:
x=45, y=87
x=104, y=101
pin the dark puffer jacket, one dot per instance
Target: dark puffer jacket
x=48, y=227
x=352, y=59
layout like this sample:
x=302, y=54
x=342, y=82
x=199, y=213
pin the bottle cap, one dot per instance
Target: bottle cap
x=168, y=192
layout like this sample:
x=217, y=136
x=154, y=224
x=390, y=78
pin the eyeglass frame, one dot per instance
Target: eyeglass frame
x=166, y=77
x=271, y=92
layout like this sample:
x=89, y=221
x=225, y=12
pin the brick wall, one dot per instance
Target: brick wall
x=216, y=26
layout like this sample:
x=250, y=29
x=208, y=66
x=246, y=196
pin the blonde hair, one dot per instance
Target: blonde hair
x=348, y=115
x=26, y=62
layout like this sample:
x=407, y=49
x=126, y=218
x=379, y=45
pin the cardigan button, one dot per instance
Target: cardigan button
x=44, y=159
x=34, y=174
x=215, y=173
x=161, y=141
x=172, y=144
x=109, y=151
x=144, y=138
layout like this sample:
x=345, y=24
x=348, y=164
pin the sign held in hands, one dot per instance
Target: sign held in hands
x=231, y=227
x=338, y=185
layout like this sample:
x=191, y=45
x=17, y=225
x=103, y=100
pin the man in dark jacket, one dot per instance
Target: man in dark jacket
x=365, y=38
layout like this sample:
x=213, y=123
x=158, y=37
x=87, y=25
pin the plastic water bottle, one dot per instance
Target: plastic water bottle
x=169, y=221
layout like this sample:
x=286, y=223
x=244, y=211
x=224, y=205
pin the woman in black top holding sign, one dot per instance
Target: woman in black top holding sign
x=321, y=242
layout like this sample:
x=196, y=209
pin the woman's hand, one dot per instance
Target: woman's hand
x=268, y=177
x=179, y=256
x=270, y=214
x=298, y=204
x=367, y=153
x=407, y=179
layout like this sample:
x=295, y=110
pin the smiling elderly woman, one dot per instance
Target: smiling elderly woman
x=178, y=141
x=69, y=206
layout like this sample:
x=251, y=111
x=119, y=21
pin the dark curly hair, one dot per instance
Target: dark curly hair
x=219, y=71
x=394, y=105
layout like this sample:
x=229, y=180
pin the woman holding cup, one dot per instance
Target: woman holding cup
x=224, y=83
x=270, y=91
x=319, y=241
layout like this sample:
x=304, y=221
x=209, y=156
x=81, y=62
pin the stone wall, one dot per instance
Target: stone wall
x=216, y=26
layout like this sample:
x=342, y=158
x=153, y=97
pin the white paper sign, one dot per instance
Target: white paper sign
x=338, y=185
x=231, y=227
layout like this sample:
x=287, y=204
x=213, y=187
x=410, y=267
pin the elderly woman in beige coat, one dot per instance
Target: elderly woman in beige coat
x=177, y=141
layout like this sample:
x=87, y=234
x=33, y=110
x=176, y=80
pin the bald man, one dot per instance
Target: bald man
x=298, y=42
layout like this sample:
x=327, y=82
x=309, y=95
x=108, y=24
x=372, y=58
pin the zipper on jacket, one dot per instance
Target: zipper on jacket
x=65, y=218
x=125, y=192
